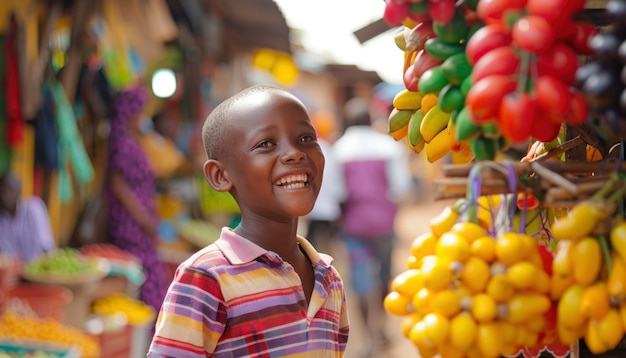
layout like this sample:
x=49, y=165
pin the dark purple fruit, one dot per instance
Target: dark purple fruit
x=621, y=52
x=583, y=72
x=605, y=45
x=616, y=10
x=602, y=88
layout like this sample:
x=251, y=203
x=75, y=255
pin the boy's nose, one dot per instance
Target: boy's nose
x=293, y=154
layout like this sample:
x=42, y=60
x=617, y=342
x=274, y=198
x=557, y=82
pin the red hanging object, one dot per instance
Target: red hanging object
x=15, y=119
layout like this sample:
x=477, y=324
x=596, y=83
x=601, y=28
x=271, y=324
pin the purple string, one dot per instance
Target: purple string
x=512, y=181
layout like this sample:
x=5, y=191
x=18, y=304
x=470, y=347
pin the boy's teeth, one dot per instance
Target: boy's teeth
x=291, y=180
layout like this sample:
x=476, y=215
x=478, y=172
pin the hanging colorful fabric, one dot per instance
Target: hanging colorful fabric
x=15, y=120
x=5, y=152
x=71, y=144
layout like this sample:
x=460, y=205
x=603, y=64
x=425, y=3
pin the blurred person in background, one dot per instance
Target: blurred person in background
x=25, y=230
x=376, y=176
x=323, y=220
x=130, y=193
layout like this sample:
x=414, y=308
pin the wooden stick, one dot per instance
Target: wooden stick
x=554, y=178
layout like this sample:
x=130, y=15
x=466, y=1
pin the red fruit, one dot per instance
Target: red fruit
x=533, y=34
x=560, y=61
x=485, y=39
x=493, y=11
x=544, y=129
x=395, y=13
x=554, y=95
x=517, y=116
x=500, y=61
x=484, y=98
x=410, y=81
x=424, y=62
x=578, y=109
x=583, y=31
x=551, y=10
x=441, y=11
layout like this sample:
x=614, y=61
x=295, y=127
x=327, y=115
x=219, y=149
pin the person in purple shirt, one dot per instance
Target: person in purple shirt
x=25, y=230
x=376, y=175
x=130, y=191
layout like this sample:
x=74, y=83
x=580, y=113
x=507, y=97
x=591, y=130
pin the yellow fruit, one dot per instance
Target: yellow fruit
x=484, y=308
x=434, y=122
x=542, y=282
x=569, y=335
x=406, y=99
x=396, y=304
x=424, y=245
x=580, y=222
x=562, y=265
x=484, y=248
x=500, y=288
x=511, y=248
x=558, y=285
x=437, y=328
x=593, y=339
x=428, y=102
x=487, y=205
x=407, y=323
x=523, y=306
x=522, y=274
x=422, y=301
x=489, y=340
x=448, y=351
x=417, y=335
x=408, y=282
x=444, y=221
x=462, y=156
x=475, y=274
x=595, y=303
x=568, y=309
x=452, y=247
x=462, y=331
x=617, y=279
x=446, y=303
x=439, y=146
x=587, y=255
x=536, y=324
x=469, y=231
x=437, y=275
x=611, y=329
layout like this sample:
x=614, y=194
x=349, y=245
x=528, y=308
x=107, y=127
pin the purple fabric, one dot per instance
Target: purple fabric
x=127, y=157
x=369, y=213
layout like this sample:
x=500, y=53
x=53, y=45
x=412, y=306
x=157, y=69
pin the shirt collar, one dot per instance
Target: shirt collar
x=239, y=250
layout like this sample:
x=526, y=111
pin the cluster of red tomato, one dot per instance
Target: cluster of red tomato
x=525, y=64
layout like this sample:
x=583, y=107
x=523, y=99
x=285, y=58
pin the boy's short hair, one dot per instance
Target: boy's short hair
x=215, y=130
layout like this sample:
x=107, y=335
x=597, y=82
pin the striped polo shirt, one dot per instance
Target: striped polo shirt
x=236, y=299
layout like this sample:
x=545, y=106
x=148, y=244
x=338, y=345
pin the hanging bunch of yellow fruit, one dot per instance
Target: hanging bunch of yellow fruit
x=467, y=293
x=589, y=271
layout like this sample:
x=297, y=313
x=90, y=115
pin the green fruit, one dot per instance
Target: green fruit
x=451, y=98
x=441, y=50
x=466, y=129
x=484, y=148
x=453, y=32
x=456, y=68
x=432, y=81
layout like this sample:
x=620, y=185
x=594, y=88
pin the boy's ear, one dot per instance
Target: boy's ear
x=216, y=176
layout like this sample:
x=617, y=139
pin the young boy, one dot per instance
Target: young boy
x=259, y=290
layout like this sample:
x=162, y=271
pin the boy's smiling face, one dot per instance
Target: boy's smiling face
x=274, y=164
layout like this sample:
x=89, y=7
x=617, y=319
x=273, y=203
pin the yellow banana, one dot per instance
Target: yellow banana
x=439, y=146
x=434, y=122
x=414, y=136
x=399, y=123
x=406, y=99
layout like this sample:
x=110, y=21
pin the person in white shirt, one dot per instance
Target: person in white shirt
x=25, y=230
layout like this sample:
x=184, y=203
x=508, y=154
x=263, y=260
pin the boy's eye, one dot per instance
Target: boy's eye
x=265, y=144
x=308, y=138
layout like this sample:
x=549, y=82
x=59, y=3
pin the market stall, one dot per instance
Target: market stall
x=525, y=100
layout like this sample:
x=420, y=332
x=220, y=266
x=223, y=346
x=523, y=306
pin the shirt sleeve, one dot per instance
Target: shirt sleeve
x=38, y=227
x=192, y=318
